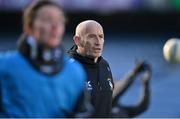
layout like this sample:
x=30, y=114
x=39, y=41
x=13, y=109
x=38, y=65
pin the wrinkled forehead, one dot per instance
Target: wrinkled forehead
x=93, y=28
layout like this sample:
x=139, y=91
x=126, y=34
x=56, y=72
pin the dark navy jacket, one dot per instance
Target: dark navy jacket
x=100, y=82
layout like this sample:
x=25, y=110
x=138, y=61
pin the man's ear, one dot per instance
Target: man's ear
x=77, y=40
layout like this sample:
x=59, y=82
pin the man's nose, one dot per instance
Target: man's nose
x=98, y=41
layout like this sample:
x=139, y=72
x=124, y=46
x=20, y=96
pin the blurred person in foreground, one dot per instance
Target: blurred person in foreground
x=89, y=42
x=37, y=79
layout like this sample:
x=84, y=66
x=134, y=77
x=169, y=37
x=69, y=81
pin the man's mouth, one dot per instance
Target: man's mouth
x=97, y=50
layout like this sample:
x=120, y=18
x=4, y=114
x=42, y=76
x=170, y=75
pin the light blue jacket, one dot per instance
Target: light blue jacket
x=25, y=92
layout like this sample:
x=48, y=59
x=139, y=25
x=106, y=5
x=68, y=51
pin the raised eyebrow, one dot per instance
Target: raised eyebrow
x=91, y=35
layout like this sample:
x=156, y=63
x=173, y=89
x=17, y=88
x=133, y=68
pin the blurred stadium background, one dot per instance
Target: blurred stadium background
x=134, y=30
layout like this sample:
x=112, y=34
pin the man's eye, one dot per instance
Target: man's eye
x=91, y=36
x=101, y=36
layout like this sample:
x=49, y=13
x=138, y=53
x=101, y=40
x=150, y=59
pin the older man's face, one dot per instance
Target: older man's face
x=93, y=41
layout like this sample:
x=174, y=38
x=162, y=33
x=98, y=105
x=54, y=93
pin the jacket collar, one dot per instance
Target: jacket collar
x=73, y=53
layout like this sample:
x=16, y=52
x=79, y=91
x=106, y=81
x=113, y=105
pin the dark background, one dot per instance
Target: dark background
x=129, y=36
